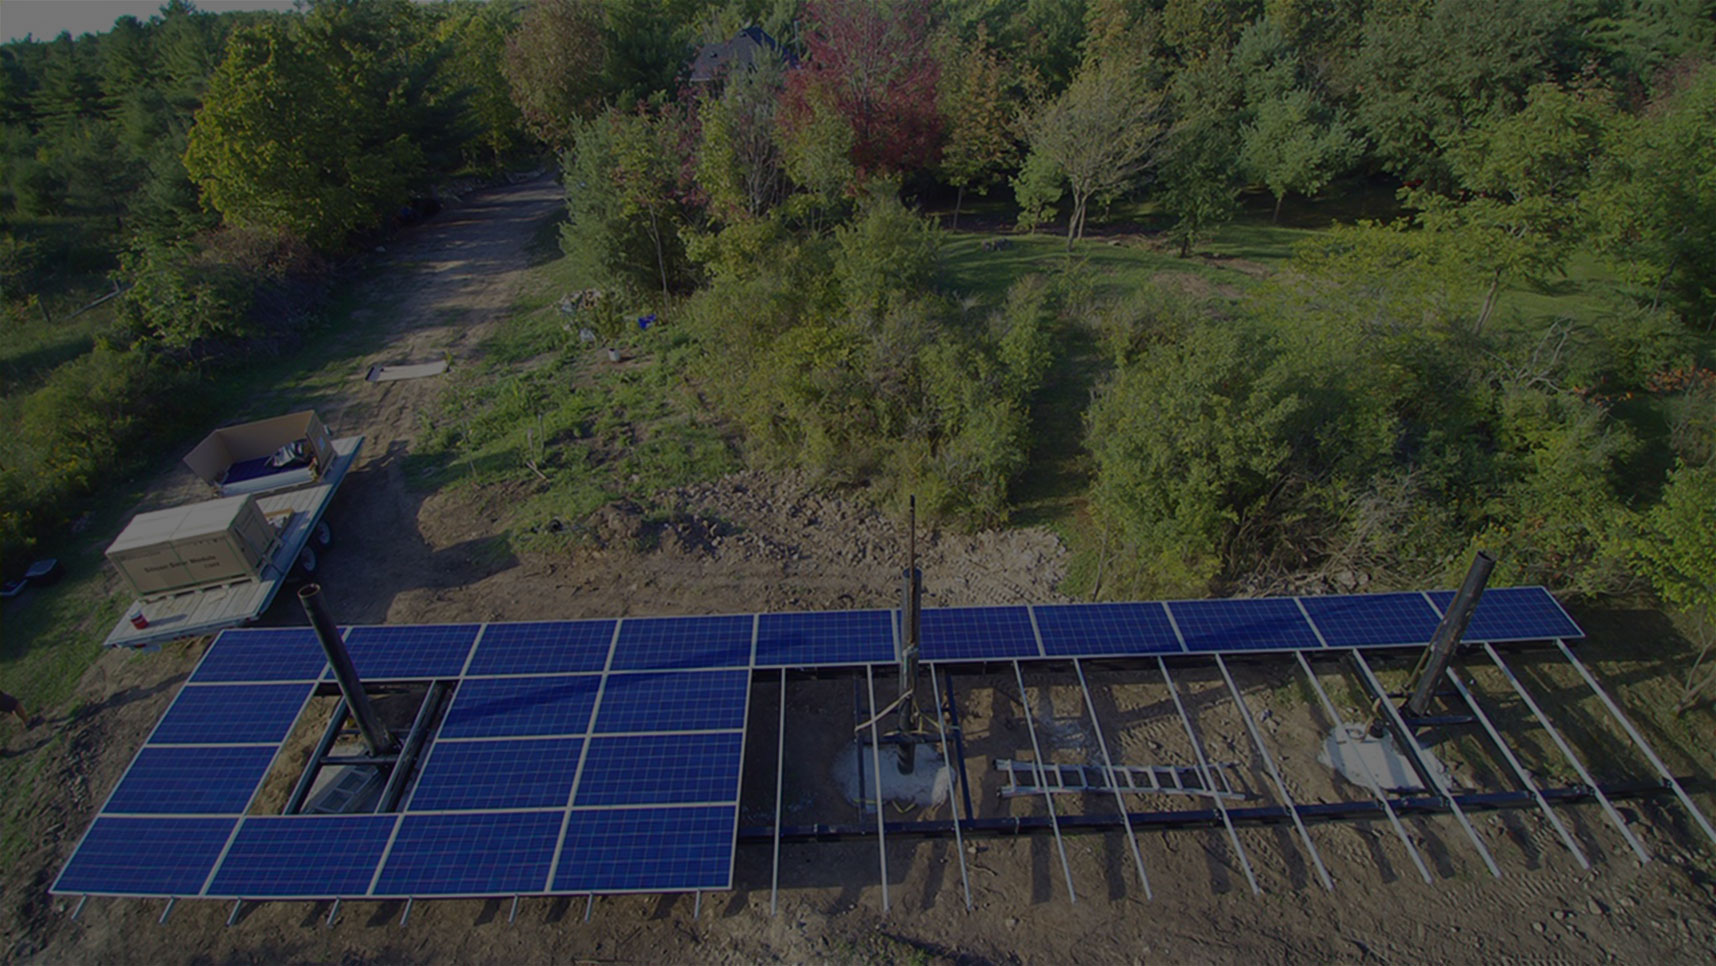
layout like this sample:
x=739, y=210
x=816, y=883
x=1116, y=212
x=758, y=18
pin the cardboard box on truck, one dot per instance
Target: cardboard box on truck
x=234, y=459
x=217, y=542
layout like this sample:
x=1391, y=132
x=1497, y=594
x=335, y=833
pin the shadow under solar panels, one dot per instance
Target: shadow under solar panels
x=145, y=856
x=825, y=638
x=232, y=714
x=470, y=854
x=303, y=856
x=648, y=850
x=1242, y=624
x=1514, y=614
x=1358, y=620
x=977, y=634
x=548, y=647
x=1081, y=630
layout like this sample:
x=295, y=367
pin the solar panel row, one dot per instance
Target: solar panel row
x=834, y=638
x=403, y=856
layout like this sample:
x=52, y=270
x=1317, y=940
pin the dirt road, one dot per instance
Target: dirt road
x=757, y=542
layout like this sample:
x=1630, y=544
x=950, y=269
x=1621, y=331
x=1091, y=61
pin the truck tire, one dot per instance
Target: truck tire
x=305, y=568
x=323, y=535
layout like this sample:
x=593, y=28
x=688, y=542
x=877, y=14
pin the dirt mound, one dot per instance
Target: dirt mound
x=750, y=541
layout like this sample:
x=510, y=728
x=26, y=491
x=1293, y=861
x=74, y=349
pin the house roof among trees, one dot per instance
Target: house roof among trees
x=715, y=59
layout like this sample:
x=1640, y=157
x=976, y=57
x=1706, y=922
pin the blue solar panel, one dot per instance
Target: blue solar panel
x=410, y=651
x=145, y=856
x=674, y=701
x=526, y=773
x=231, y=713
x=177, y=780
x=503, y=707
x=269, y=654
x=651, y=643
x=977, y=633
x=647, y=850
x=661, y=769
x=828, y=637
x=1222, y=625
x=1514, y=614
x=303, y=856
x=471, y=854
x=1367, y=619
x=1079, y=630
x=555, y=647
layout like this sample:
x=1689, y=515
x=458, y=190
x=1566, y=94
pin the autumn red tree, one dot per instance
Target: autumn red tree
x=873, y=63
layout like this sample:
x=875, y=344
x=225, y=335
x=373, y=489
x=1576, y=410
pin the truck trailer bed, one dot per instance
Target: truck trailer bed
x=211, y=609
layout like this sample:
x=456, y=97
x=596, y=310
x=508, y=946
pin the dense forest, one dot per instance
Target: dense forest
x=1397, y=393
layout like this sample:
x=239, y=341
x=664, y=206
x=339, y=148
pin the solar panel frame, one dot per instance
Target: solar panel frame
x=232, y=714
x=144, y=855
x=949, y=634
x=665, y=849
x=1513, y=614
x=1368, y=620
x=518, y=847
x=270, y=654
x=1242, y=624
x=1106, y=630
x=645, y=701
x=660, y=769
x=283, y=856
x=543, y=647
x=826, y=638
x=405, y=652
x=664, y=643
x=488, y=708
x=509, y=774
x=180, y=780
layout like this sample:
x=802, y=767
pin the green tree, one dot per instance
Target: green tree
x=67, y=91
x=554, y=63
x=475, y=35
x=976, y=115
x=1655, y=197
x=1523, y=179
x=1425, y=73
x=1295, y=145
x=1188, y=442
x=817, y=151
x=623, y=201
x=322, y=126
x=887, y=252
x=1676, y=552
x=1200, y=171
x=1099, y=134
x=739, y=161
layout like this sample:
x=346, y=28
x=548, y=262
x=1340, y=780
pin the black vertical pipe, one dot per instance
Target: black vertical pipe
x=1448, y=634
x=375, y=737
x=910, y=605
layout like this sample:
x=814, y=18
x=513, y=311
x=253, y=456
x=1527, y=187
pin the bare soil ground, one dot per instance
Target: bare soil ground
x=758, y=542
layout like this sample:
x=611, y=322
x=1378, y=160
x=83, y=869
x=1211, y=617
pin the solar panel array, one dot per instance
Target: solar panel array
x=603, y=755
x=565, y=744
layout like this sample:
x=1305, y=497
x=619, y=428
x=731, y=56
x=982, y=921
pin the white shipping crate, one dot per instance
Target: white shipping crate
x=194, y=546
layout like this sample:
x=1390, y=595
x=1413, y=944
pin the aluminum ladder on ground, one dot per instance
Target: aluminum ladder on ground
x=1138, y=779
